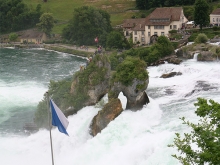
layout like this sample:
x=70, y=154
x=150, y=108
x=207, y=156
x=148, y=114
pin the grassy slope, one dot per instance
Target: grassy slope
x=63, y=9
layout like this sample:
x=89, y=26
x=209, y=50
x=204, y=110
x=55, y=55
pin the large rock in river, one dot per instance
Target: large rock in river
x=135, y=98
x=110, y=111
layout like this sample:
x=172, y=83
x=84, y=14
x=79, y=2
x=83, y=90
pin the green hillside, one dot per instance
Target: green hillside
x=63, y=9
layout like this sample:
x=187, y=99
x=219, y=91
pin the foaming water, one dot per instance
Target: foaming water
x=133, y=138
x=24, y=78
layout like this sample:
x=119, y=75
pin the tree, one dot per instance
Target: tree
x=115, y=40
x=87, y=23
x=201, y=13
x=15, y=15
x=188, y=12
x=13, y=37
x=163, y=46
x=202, y=145
x=201, y=38
x=46, y=23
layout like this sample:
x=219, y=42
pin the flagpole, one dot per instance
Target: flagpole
x=49, y=120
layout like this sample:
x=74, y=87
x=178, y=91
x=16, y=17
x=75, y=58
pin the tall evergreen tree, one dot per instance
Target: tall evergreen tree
x=201, y=13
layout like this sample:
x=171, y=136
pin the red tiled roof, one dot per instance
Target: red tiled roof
x=160, y=16
x=216, y=11
x=166, y=15
x=140, y=25
x=172, y=13
x=131, y=23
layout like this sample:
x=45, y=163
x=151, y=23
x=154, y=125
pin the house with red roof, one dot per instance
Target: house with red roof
x=159, y=22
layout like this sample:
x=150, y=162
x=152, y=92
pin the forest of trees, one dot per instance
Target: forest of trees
x=147, y=4
x=15, y=15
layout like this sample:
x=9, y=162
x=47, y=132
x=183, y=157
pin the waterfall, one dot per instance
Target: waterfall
x=195, y=56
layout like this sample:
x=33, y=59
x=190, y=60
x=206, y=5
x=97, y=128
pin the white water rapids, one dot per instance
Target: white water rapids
x=133, y=138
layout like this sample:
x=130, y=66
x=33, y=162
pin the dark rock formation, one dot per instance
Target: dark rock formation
x=110, y=111
x=135, y=98
x=201, y=86
x=171, y=74
x=170, y=59
x=184, y=54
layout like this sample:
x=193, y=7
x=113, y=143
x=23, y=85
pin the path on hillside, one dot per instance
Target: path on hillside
x=82, y=48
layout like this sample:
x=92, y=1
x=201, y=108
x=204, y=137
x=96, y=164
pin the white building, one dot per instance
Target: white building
x=215, y=17
x=158, y=23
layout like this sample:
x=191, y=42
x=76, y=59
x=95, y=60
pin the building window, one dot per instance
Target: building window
x=135, y=32
x=142, y=39
x=148, y=34
x=155, y=33
x=213, y=19
x=162, y=33
x=216, y=19
x=174, y=27
x=135, y=38
x=170, y=26
x=142, y=32
x=158, y=27
x=148, y=27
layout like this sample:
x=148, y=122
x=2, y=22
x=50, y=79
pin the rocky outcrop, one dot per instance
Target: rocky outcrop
x=92, y=83
x=184, y=54
x=206, y=56
x=135, y=98
x=171, y=74
x=110, y=111
x=170, y=59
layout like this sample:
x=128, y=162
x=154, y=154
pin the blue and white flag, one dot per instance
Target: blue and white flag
x=58, y=118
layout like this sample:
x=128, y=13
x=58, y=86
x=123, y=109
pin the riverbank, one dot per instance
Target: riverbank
x=85, y=52
x=80, y=51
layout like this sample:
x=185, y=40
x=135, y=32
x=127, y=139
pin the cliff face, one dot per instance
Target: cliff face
x=91, y=83
x=135, y=98
x=97, y=79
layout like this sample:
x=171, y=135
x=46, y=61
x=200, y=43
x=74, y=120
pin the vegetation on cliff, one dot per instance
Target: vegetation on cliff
x=163, y=47
x=131, y=68
x=60, y=91
x=91, y=76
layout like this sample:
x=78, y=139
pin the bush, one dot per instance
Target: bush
x=129, y=69
x=173, y=31
x=201, y=38
x=49, y=42
x=175, y=44
x=192, y=37
x=215, y=28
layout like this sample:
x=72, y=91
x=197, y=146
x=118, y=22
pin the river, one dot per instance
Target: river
x=133, y=138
